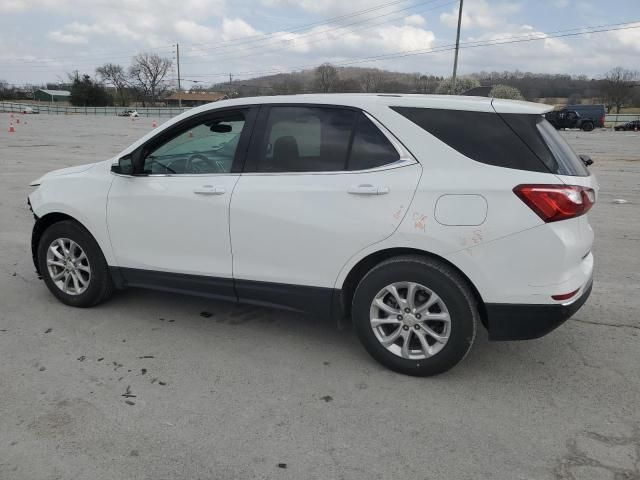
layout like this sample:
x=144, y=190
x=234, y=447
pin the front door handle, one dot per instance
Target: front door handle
x=209, y=190
x=368, y=189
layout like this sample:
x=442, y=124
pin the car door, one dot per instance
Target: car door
x=169, y=221
x=320, y=184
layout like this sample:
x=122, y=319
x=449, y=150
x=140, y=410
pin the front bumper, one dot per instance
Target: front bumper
x=524, y=322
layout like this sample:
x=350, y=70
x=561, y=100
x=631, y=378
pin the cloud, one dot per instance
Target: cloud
x=237, y=28
x=415, y=20
x=194, y=32
x=480, y=14
x=70, y=38
x=320, y=6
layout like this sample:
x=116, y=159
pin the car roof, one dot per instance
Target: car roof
x=362, y=100
x=366, y=102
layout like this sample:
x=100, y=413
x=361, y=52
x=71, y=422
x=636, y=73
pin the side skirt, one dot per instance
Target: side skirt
x=317, y=301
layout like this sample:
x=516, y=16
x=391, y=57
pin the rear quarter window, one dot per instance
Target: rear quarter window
x=518, y=141
x=482, y=136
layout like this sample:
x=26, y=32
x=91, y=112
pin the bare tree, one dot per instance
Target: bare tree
x=147, y=72
x=618, y=87
x=371, y=81
x=425, y=83
x=326, y=76
x=116, y=76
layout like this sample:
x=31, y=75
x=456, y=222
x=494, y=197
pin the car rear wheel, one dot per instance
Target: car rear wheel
x=415, y=315
x=587, y=126
x=72, y=265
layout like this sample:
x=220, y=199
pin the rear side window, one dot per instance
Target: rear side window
x=370, y=147
x=321, y=139
x=306, y=139
x=481, y=136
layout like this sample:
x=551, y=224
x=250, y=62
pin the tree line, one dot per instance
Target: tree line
x=616, y=89
x=145, y=81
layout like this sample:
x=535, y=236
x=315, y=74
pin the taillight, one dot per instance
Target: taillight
x=556, y=202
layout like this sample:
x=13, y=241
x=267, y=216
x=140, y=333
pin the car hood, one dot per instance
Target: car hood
x=63, y=171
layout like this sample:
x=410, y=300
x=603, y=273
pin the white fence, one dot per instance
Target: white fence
x=53, y=109
x=611, y=119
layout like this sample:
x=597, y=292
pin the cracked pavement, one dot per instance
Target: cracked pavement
x=235, y=392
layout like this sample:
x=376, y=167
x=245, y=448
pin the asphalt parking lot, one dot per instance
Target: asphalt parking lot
x=236, y=392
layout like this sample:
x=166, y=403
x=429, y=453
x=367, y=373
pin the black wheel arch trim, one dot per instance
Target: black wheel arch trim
x=42, y=223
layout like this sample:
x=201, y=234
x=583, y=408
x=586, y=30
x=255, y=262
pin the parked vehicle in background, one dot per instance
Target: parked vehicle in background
x=561, y=119
x=29, y=110
x=372, y=207
x=129, y=113
x=584, y=117
x=629, y=126
x=594, y=113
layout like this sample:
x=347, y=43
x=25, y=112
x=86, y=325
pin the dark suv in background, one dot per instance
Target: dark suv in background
x=584, y=117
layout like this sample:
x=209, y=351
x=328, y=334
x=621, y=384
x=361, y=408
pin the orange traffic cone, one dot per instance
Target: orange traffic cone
x=154, y=124
x=11, y=129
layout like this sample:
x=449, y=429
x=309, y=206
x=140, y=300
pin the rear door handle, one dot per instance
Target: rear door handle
x=210, y=190
x=368, y=189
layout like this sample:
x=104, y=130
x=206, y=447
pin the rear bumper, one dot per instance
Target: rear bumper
x=524, y=322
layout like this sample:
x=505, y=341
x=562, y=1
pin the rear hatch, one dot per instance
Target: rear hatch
x=568, y=168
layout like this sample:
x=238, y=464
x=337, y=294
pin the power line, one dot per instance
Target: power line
x=335, y=28
x=537, y=36
x=230, y=42
x=70, y=64
x=259, y=37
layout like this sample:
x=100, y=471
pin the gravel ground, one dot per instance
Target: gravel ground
x=243, y=392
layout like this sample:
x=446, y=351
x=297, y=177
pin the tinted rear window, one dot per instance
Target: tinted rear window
x=569, y=162
x=370, y=149
x=481, y=136
x=519, y=141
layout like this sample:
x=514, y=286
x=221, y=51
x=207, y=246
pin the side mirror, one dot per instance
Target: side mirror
x=124, y=166
x=586, y=159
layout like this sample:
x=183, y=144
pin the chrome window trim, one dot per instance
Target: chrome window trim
x=405, y=156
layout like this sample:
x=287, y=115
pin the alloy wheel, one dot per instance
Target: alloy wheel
x=68, y=266
x=410, y=320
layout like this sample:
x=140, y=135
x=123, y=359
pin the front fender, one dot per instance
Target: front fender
x=80, y=196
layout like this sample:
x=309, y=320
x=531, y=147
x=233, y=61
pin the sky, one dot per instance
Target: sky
x=42, y=40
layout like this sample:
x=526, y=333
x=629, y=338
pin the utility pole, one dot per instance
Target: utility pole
x=178, y=64
x=455, y=60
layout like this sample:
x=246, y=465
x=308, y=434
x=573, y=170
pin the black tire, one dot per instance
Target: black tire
x=587, y=126
x=449, y=285
x=100, y=286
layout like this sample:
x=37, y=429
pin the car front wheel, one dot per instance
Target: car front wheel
x=72, y=265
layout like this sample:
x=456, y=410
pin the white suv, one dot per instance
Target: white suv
x=417, y=216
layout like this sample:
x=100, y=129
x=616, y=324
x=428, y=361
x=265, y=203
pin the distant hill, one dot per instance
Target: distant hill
x=356, y=79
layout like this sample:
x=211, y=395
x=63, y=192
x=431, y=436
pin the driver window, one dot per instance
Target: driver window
x=208, y=147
